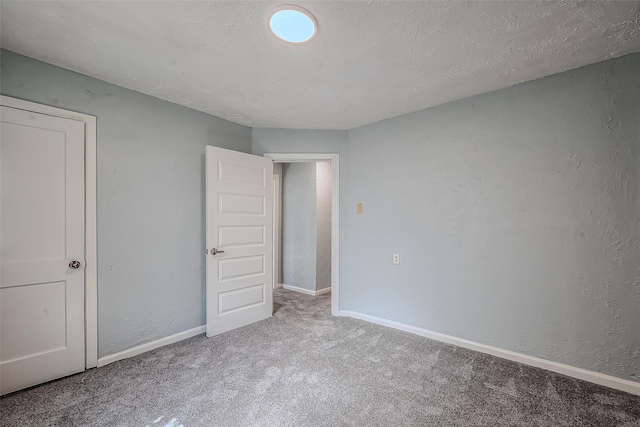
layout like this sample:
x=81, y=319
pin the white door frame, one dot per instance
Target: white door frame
x=277, y=223
x=91, y=243
x=335, y=212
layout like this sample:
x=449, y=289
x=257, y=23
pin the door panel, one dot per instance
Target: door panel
x=39, y=308
x=42, y=230
x=33, y=171
x=241, y=298
x=240, y=268
x=241, y=236
x=241, y=205
x=239, y=222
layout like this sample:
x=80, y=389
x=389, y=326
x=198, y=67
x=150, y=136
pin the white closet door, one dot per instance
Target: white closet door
x=42, y=248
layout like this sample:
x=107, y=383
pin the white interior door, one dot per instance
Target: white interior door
x=42, y=234
x=239, y=239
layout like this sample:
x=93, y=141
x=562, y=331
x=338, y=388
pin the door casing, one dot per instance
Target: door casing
x=91, y=243
x=334, y=158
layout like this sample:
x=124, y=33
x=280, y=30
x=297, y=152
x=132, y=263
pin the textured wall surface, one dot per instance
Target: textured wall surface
x=299, y=225
x=150, y=198
x=323, y=225
x=516, y=215
x=371, y=60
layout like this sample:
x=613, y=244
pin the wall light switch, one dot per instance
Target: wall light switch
x=396, y=258
x=358, y=208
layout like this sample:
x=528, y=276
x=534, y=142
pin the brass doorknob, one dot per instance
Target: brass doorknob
x=75, y=264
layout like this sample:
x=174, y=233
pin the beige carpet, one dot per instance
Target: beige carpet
x=303, y=367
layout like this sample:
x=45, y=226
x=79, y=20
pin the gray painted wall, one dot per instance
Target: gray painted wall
x=150, y=198
x=299, y=225
x=516, y=215
x=323, y=225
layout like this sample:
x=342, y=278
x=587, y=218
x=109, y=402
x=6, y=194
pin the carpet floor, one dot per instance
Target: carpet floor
x=303, y=367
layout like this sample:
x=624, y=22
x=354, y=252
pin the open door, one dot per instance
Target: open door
x=239, y=239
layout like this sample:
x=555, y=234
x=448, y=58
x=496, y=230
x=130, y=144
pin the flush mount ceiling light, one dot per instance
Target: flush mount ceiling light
x=293, y=24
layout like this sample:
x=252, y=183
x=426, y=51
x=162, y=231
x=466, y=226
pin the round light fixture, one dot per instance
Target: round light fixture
x=293, y=24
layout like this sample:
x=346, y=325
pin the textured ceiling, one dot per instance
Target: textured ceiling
x=370, y=60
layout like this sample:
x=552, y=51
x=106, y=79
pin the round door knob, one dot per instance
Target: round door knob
x=75, y=264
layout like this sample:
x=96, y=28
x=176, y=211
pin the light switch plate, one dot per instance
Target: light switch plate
x=358, y=208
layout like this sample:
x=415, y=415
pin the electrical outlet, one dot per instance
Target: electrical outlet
x=396, y=259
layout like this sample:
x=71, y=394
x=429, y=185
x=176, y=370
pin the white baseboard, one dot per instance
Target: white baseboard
x=278, y=286
x=307, y=291
x=571, y=371
x=143, y=348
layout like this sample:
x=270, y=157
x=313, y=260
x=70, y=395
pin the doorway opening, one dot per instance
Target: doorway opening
x=302, y=227
x=306, y=224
